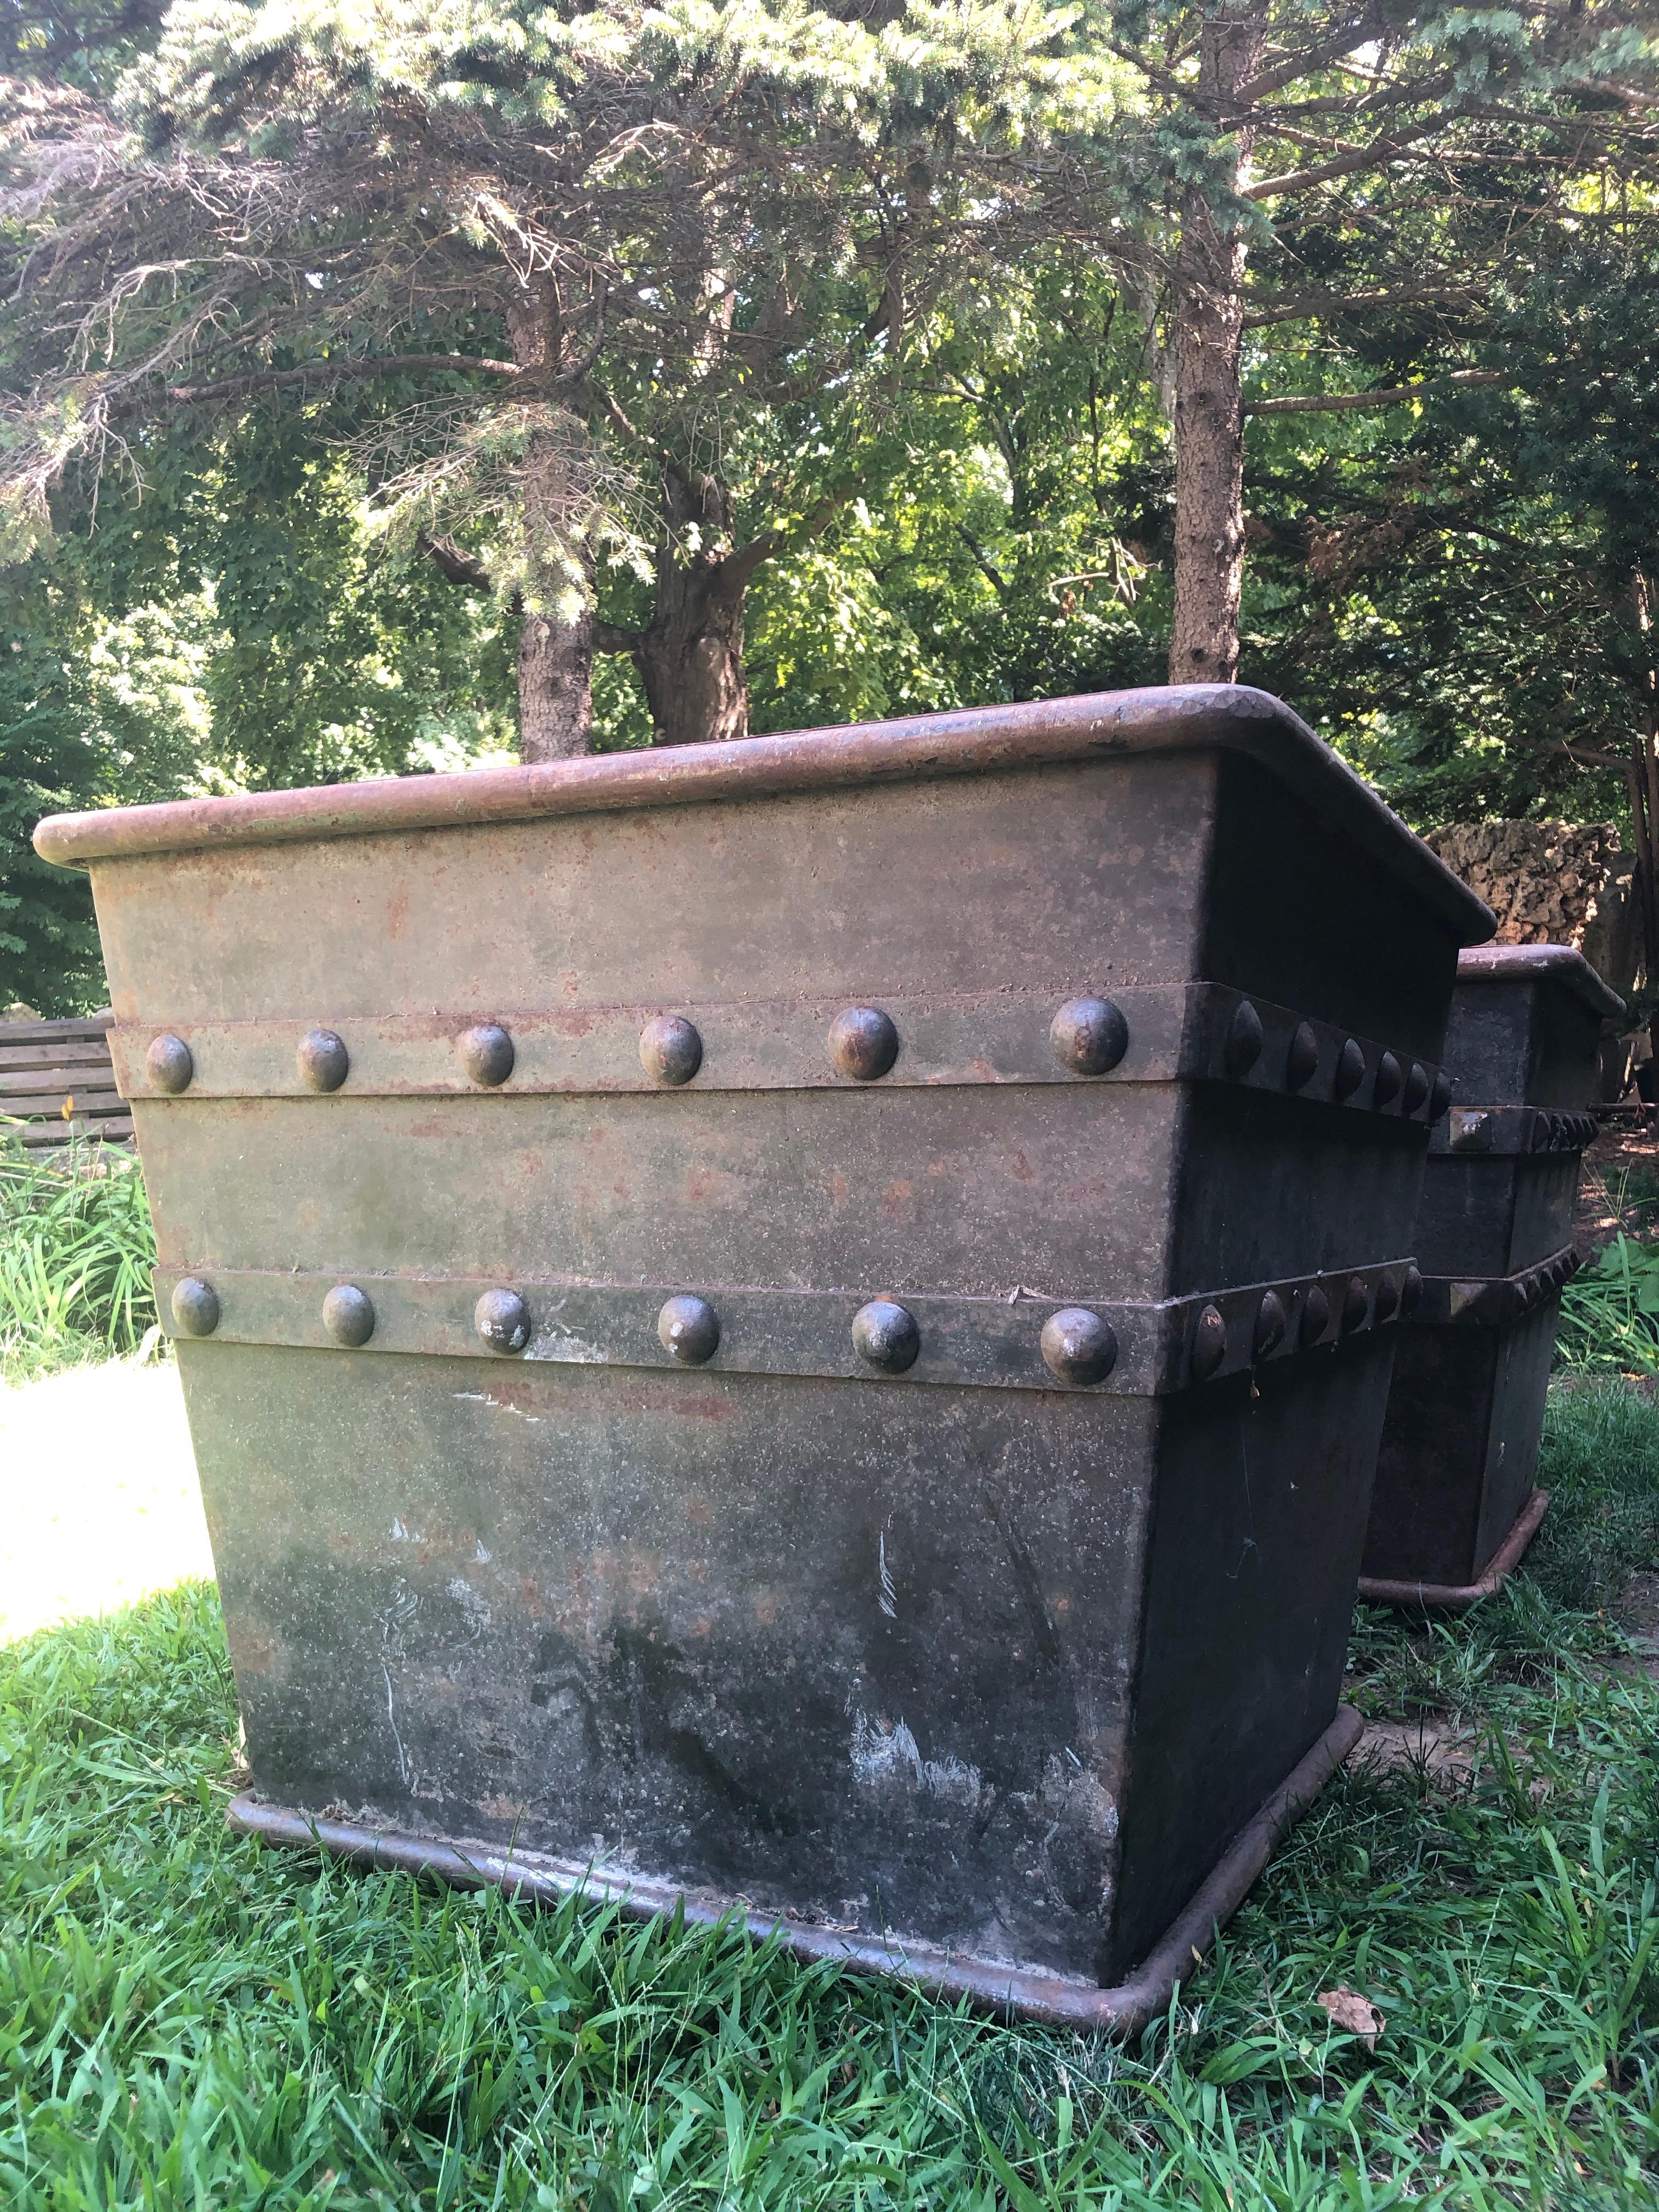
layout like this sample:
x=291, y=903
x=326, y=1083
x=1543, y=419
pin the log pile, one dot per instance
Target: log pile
x=1553, y=883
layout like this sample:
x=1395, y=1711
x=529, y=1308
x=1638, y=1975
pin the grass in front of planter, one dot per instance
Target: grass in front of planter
x=187, y=2020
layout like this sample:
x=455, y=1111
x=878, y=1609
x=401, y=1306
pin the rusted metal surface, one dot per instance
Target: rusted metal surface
x=1460, y=1451
x=980, y=741
x=1022, y=1342
x=1458, y=1597
x=909, y=1471
x=1145, y=1036
x=1122, y=2009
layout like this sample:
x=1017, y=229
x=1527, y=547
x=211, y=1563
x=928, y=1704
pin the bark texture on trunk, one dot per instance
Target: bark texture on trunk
x=555, y=643
x=1209, y=418
x=690, y=655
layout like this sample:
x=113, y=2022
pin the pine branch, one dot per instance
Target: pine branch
x=1308, y=304
x=313, y=372
x=1333, y=403
x=455, y=565
x=1377, y=154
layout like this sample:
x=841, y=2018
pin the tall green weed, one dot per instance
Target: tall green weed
x=1610, y=1311
x=76, y=1246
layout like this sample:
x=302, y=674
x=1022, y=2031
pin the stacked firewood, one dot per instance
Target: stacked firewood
x=1553, y=883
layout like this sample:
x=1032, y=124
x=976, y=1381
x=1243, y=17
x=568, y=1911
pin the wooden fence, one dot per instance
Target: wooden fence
x=56, y=1078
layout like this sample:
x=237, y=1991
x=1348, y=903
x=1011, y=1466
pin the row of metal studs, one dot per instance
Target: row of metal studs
x=1536, y=1129
x=1079, y=1346
x=1482, y=1298
x=1088, y=1036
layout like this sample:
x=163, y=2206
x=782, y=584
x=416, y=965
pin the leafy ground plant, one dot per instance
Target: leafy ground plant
x=190, y=2019
x=76, y=1247
x=1610, y=1311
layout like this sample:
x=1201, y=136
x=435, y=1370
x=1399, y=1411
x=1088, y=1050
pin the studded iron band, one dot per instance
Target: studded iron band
x=1494, y=1300
x=1024, y=1342
x=1506, y=1132
x=1206, y=1031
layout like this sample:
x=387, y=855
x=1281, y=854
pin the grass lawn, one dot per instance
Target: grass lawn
x=186, y=2019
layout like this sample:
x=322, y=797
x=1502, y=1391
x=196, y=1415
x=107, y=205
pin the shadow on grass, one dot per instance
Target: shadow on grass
x=185, y=2018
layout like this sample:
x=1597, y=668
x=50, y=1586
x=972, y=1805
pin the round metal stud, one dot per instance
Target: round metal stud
x=688, y=1328
x=1243, y=1047
x=1209, y=1343
x=1302, y=1060
x=1439, y=1096
x=885, y=1335
x=195, y=1306
x=1411, y=1294
x=170, y=1064
x=1271, y=1322
x=863, y=1043
x=324, y=1061
x=670, y=1048
x=1088, y=1036
x=1388, y=1080
x=1356, y=1305
x=1388, y=1299
x=1417, y=1087
x=348, y=1316
x=1078, y=1345
x=1315, y=1316
x=1349, y=1068
x=486, y=1052
x=503, y=1320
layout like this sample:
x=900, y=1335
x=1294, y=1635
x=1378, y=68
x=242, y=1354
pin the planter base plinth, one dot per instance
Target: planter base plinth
x=1458, y=1597
x=991, y=1985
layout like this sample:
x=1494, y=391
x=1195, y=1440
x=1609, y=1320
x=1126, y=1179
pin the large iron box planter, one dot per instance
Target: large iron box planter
x=1455, y=1505
x=802, y=1322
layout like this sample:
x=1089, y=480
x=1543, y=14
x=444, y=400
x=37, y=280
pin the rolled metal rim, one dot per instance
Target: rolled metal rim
x=1525, y=963
x=1458, y=1597
x=1123, y=2009
x=981, y=740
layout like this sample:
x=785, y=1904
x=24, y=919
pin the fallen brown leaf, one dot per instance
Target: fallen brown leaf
x=1348, y=2009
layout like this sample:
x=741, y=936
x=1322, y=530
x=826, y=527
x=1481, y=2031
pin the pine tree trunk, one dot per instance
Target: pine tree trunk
x=690, y=658
x=555, y=643
x=1209, y=418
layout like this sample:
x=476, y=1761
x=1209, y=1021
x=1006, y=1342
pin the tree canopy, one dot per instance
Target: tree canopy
x=388, y=387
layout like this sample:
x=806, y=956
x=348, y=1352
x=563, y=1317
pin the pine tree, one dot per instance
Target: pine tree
x=587, y=234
